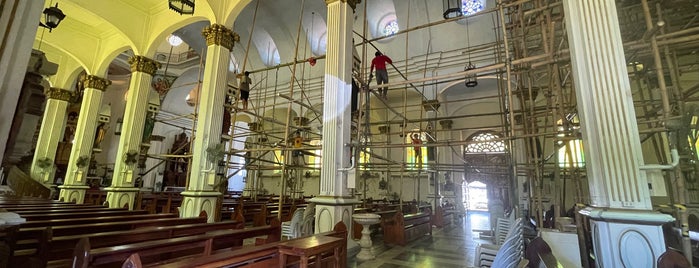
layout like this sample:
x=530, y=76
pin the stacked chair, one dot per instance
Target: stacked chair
x=509, y=248
x=292, y=229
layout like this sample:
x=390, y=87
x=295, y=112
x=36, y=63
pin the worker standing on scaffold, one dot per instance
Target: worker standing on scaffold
x=297, y=153
x=381, y=74
x=417, y=142
x=245, y=82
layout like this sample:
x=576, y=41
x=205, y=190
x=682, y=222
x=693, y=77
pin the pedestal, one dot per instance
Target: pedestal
x=626, y=238
x=366, y=220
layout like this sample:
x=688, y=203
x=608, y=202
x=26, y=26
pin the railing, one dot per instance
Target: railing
x=23, y=185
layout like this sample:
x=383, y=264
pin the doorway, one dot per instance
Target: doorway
x=475, y=196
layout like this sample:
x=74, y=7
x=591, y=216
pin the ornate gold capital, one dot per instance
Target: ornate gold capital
x=218, y=34
x=91, y=81
x=446, y=124
x=144, y=65
x=352, y=3
x=59, y=94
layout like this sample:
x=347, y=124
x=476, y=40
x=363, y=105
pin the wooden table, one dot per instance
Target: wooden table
x=311, y=246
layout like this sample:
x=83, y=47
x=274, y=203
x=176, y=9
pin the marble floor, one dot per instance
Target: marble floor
x=451, y=246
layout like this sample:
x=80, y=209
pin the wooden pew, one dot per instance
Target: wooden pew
x=269, y=255
x=76, y=221
x=74, y=215
x=157, y=250
x=35, y=211
x=402, y=229
x=62, y=247
x=442, y=217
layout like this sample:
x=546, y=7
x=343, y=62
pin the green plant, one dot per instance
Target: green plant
x=82, y=161
x=131, y=157
x=44, y=163
x=215, y=153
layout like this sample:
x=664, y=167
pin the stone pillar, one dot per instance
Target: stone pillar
x=73, y=189
x=626, y=233
x=122, y=191
x=52, y=129
x=201, y=194
x=335, y=203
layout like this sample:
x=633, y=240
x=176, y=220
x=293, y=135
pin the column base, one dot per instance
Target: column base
x=194, y=202
x=119, y=197
x=72, y=193
x=626, y=238
x=333, y=209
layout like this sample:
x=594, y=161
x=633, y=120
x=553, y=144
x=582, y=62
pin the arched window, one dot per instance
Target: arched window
x=485, y=142
x=391, y=28
x=470, y=7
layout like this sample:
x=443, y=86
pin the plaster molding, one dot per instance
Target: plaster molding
x=59, y=94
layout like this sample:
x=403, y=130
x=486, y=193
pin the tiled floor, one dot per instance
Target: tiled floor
x=451, y=246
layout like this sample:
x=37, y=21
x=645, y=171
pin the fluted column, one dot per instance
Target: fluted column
x=200, y=194
x=122, y=191
x=626, y=232
x=73, y=189
x=52, y=129
x=334, y=204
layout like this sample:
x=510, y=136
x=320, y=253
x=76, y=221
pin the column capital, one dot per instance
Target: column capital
x=352, y=3
x=143, y=64
x=59, y=94
x=220, y=35
x=446, y=124
x=91, y=81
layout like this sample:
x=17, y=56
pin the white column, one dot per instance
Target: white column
x=334, y=203
x=208, y=147
x=19, y=20
x=122, y=191
x=52, y=129
x=626, y=232
x=73, y=189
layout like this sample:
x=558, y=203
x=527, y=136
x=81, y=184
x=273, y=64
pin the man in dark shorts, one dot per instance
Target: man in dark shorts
x=245, y=89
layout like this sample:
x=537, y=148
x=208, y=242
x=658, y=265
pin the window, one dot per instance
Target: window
x=391, y=28
x=486, y=142
x=413, y=161
x=315, y=160
x=470, y=7
x=570, y=153
x=278, y=161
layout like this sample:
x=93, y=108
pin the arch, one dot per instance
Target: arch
x=379, y=13
x=486, y=142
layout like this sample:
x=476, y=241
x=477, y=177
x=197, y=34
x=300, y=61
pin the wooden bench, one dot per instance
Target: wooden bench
x=77, y=215
x=60, y=249
x=442, y=217
x=269, y=254
x=163, y=249
x=400, y=229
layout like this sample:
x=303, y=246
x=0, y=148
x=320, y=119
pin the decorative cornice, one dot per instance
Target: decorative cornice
x=91, y=81
x=446, y=124
x=220, y=35
x=352, y=3
x=144, y=65
x=59, y=94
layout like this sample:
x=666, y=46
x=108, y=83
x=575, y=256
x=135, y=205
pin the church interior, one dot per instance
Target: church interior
x=506, y=133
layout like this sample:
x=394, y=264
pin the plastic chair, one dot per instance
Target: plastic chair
x=291, y=229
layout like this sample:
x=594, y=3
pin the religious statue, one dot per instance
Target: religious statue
x=99, y=134
x=148, y=126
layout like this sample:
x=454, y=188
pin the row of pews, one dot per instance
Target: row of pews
x=58, y=234
x=403, y=222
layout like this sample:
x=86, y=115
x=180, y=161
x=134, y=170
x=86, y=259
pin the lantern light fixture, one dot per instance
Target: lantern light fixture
x=52, y=17
x=182, y=6
x=452, y=9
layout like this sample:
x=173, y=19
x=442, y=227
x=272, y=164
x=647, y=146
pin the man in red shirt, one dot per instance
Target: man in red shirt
x=381, y=74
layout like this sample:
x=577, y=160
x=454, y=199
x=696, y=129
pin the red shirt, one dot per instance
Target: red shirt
x=380, y=62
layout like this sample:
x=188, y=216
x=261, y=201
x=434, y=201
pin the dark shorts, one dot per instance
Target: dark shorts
x=244, y=95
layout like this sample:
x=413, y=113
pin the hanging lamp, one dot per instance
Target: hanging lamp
x=452, y=9
x=52, y=17
x=182, y=6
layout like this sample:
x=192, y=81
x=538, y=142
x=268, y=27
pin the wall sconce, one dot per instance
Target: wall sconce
x=53, y=16
x=221, y=169
x=182, y=6
x=452, y=9
x=471, y=79
x=117, y=127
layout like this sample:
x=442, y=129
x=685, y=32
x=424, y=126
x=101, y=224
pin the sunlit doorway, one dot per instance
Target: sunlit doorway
x=475, y=196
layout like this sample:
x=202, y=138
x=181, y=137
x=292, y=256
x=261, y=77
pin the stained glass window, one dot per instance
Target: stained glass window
x=391, y=28
x=486, y=142
x=470, y=7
